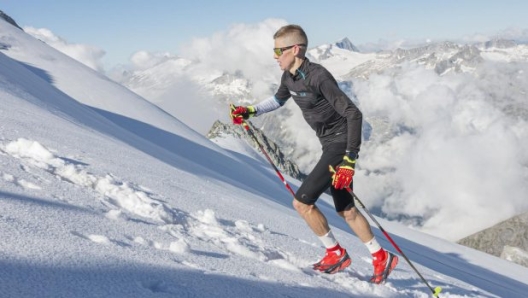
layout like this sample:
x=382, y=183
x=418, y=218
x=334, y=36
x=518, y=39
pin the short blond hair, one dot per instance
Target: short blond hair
x=293, y=33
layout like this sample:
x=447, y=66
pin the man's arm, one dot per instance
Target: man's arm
x=274, y=102
x=268, y=105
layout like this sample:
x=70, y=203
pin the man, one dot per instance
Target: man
x=337, y=123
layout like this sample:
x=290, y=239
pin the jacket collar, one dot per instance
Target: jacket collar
x=301, y=72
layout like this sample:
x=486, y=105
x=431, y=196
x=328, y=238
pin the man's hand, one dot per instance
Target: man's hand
x=342, y=178
x=241, y=113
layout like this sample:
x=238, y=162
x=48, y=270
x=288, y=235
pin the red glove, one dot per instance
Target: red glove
x=241, y=113
x=342, y=178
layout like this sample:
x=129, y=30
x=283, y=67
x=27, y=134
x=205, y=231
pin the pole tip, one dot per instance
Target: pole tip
x=437, y=291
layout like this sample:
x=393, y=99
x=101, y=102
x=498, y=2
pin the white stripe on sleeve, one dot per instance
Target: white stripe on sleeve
x=267, y=105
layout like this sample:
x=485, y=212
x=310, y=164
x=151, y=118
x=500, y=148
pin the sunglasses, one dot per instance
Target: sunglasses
x=280, y=51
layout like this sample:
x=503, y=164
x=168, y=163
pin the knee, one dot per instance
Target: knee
x=301, y=207
x=349, y=214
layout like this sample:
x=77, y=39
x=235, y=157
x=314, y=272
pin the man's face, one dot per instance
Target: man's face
x=284, y=53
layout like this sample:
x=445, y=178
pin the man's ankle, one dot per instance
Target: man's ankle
x=337, y=249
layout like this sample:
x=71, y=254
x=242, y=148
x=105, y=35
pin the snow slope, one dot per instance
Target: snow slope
x=102, y=194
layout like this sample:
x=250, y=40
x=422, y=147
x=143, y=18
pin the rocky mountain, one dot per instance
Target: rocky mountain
x=280, y=160
x=508, y=240
x=5, y=45
x=346, y=44
x=230, y=87
x=9, y=19
x=340, y=49
x=442, y=57
x=499, y=44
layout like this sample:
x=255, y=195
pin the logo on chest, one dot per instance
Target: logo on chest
x=300, y=94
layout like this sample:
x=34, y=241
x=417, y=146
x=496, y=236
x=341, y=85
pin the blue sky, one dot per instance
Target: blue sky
x=122, y=28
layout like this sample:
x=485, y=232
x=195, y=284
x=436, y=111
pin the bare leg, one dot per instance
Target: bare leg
x=313, y=217
x=358, y=223
x=319, y=225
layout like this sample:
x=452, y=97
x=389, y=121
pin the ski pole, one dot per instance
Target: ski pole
x=250, y=132
x=436, y=291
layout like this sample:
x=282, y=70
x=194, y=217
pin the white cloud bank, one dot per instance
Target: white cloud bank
x=244, y=47
x=176, y=81
x=458, y=157
x=88, y=55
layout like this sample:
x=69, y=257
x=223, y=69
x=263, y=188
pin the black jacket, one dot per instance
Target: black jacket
x=326, y=108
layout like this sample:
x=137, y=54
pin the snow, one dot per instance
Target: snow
x=341, y=61
x=103, y=194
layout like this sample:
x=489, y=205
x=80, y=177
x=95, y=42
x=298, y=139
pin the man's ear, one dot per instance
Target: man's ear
x=297, y=51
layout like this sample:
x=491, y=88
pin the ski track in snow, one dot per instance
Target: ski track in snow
x=126, y=199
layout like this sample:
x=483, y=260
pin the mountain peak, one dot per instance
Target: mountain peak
x=500, y=43
x=9, y=19
x=346, y=44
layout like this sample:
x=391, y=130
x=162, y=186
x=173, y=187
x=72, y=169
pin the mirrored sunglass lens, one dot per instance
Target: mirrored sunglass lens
x=278, y=51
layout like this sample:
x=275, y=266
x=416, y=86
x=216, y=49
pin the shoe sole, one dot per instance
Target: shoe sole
x=340, y=266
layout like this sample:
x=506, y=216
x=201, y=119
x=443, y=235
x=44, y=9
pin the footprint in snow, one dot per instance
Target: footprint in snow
x=124, y=195
x=180, y=246
x=20, y=182
x=239, y=238
x=100, y=239
x=159, y=286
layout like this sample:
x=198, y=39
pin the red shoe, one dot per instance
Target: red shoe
x=383, y=262
x=335, y=260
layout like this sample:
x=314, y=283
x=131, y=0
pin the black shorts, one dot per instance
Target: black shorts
x=320, y=179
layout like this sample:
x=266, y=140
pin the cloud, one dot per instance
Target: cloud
x=243, y=51
x=515, y=34
x=143, y=59
x=246, y=48
x=88, y=55
x=455, y=162
x=199, y=111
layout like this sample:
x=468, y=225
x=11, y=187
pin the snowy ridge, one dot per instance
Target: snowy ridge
x=346, y=44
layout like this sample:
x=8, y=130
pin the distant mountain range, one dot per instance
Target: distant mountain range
x=342, y=58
